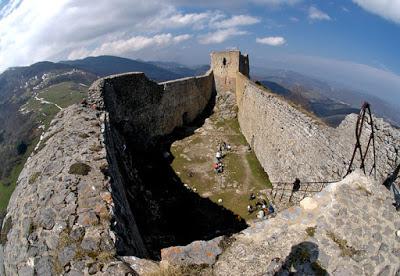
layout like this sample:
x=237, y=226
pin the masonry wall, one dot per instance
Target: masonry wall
x=225, y=65
x=138, y=114
x=282, y=137
x=146, y=110
x=291, y=144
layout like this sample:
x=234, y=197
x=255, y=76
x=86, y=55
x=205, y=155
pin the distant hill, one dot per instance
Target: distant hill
x=330, y=101
x=30, y=96
x=182, y=70
x=110, y=65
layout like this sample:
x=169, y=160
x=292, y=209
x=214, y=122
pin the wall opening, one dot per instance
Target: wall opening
x=224, y=62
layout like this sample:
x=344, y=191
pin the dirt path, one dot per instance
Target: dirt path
x=247, y=171
x=43, y=101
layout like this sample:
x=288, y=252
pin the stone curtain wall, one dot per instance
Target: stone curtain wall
x=146, y=110
x=184, y=100
x=289, y=143
x=138, y=114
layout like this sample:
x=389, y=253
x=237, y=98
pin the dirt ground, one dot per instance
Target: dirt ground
x=193, y=161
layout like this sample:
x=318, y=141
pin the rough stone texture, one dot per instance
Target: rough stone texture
x=77, y=224
x=198, y=252
x=137, y=113
x=292, y=144
x=55, y=217
x=147, y=110
x=225, y=65
x=350, y=232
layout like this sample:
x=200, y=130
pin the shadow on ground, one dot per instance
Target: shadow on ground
x=302, y=260
x=165, y=211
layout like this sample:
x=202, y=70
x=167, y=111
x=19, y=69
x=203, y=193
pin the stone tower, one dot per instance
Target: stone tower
x=225, y=65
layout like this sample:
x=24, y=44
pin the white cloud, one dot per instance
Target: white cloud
x=388, y=9
x=228, y=4
x=345, y=9
x=235, y=21
x=277, y=2
x=294, y=19
x=133, y=44
x=49, y=30
x=32, y=31
x=220, y=36
x=271, y=40
x=316, y=14
x=174, y=19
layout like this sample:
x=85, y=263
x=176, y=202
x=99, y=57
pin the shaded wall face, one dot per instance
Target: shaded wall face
x=146, y=111
x=139, y=113
x=244, y=66
x=132, y=102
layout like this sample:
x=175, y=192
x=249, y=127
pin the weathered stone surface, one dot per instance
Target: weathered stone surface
x=308, y=203
x=313, y=242
x=198, y=252
x=52, y=223
x=289, y=143
x=142, y=266
x=66, y=254
x=73, y=221
x=87, y=219
x=46, y=218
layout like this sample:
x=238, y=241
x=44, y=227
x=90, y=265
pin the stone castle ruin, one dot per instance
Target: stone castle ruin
x=101, y=197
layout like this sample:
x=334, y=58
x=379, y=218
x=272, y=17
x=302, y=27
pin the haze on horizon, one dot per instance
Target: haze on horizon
x=351, y=42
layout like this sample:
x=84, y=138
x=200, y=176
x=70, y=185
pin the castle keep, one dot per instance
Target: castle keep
x=225, y=65
x=101, y=197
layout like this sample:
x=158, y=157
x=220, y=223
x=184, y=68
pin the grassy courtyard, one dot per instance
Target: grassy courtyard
x=194, y=156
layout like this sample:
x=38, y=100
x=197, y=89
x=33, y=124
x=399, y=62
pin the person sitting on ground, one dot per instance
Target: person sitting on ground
x=220, y=167
x=260, y=214
x=250, y=209
x=215, y=167
x=218, y=155
x=228, y=147
x=271, y=209
x=263, y=201
x=252, y=196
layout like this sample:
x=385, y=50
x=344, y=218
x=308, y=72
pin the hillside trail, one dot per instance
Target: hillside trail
x=43, y=101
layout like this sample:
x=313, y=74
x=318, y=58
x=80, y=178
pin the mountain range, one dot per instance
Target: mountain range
x=329, y=101
x=30, y=97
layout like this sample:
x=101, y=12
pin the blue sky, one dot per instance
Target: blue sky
x=356, y=42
